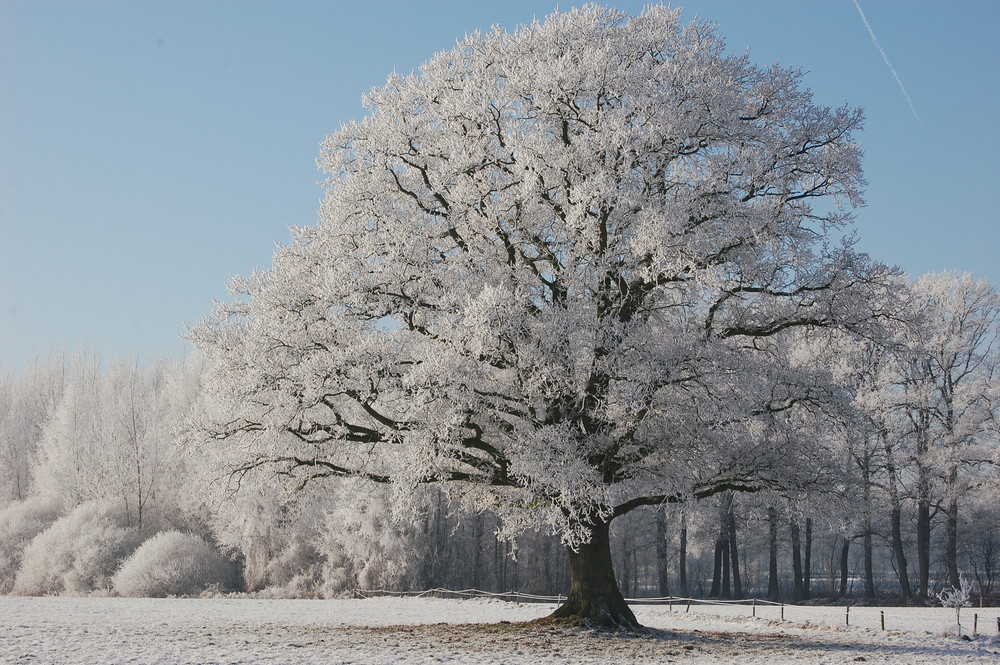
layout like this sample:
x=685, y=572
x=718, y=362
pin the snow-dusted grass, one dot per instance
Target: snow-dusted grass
x=429, y=630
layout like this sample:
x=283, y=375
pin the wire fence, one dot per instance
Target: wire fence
x=512, y=596
x=976, y=623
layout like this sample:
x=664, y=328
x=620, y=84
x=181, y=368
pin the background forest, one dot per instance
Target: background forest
x=105, y=491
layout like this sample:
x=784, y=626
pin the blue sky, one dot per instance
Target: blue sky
x=150, y=150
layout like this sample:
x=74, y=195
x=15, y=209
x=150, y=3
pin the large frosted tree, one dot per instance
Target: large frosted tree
x=559, y=271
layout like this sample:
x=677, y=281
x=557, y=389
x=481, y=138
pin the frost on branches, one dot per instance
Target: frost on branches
x=957, y=598
x=565, y=267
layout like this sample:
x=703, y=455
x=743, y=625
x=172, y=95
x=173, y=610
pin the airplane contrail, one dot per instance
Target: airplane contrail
x=886, y=59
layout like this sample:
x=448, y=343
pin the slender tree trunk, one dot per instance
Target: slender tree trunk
x=625, y=561
x=734, y=555
x=923, y=544
x=923, y=508
x=832, y=588
x=721, y=587
x=635, y=573
x=797, y=593
x=515, y=584
x=868, y=530
x=895, y=521
x=499, y=566
x=807, y=572
x=438, y=533
x=727, y=591
x=477, y=544
x=845, y=550
x=772, y=564
x=548, y=581
x=951, y=526
x=594, y=598
x=951, y=549
x=682, y=558
x=662, y=554
x=717, y=566
x=869, y=567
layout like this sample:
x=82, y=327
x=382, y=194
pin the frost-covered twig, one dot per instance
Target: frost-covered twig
x=958, y=598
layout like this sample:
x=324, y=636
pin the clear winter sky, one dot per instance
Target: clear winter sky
x=150, y=150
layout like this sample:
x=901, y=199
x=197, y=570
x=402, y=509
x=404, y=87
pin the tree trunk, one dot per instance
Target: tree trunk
x=682, y=558
x=734, y=555
x=623, y=565
x=844, y=560
x=951, y=548
x=724, y=548
x=477, y=544
x=869, y=565
x=923, y=510
x=662, y=554
x=797, y=593
x=547, y=581
x=716, y=590
x=772, y=563
x=499, y=565
x=895, y=522
x=635, y=573
x=807, y=571
x=832, y=568
x=895, y=519
x=923, y=545
x=727, y=591
x=594, y=598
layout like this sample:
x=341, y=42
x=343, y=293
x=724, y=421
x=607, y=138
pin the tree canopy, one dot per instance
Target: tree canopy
x=564, y=265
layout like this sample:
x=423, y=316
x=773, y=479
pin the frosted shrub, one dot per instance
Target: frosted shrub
x=19, y=523
x=172, y=564
x=957, y=598
x=295, y=571
x=78, y=554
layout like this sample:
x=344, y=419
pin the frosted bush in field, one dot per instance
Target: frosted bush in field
x=79, y=553
x=172, y=564
x=957, y=598
x=20, y=522
x=295, y=570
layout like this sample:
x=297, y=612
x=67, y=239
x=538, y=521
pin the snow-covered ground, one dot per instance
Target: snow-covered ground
x=430, y=630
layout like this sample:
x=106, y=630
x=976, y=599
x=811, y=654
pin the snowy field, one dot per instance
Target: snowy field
x=429, y=630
